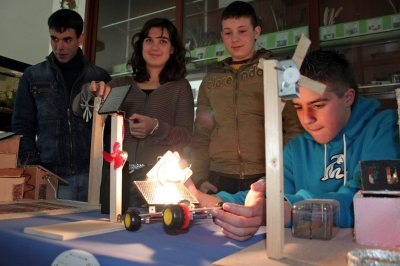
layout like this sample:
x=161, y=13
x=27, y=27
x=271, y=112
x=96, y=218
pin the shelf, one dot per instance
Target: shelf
x=360, y=31
x=380, y=85
x=387, y=89
x=357, y=39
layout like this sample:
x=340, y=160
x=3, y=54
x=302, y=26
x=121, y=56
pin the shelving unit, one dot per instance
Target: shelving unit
x=374, y=54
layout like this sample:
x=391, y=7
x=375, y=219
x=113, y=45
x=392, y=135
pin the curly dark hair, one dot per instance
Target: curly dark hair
x=174, y=69
x=330, y=68
x=240, y=9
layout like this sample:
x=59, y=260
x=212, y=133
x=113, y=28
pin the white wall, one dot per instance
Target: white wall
x=23, y=30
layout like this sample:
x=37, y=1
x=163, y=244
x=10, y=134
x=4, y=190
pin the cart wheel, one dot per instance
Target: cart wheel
x=176, y=216
x=132, y=220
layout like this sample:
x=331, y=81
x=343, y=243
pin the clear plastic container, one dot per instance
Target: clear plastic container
x=315, y=218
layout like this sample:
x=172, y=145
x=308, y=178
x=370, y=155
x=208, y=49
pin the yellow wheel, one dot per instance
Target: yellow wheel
x=132, y=220
x=176, y=216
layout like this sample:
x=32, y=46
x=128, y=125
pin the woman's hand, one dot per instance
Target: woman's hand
x=140, y=126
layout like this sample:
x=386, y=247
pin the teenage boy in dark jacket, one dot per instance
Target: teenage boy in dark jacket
x=52, y=136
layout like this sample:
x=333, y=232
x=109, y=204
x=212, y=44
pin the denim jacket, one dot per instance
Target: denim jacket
x=52, y=135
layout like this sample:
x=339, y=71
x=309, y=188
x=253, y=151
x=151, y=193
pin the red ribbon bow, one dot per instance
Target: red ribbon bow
x=118, y=156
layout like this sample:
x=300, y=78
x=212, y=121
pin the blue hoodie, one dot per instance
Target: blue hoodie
x=313, y=170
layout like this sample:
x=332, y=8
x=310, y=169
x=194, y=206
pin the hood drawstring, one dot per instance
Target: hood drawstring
x=325, y=177
x=344, y=155
x=344, y=158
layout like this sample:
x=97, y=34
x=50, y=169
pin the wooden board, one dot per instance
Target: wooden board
x=96, y=155
x=117, y=123
x=8, y=160
x=66, y=231
x=40, y=183
x=273, y=161
x=11, y=188
x=11, y=172
x=10, y=144
x=64, y=207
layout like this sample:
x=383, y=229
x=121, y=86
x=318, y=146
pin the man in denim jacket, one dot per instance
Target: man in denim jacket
x=52, y=136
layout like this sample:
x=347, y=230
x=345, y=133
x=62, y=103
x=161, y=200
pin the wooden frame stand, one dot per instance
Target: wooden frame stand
x=273, y=162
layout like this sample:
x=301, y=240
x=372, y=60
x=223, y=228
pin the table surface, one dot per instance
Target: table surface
x=302, y=251
x=202, y=244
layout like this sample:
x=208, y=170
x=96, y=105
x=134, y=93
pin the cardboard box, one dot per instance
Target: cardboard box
x=9, y=151
x=377, y=220
x=10, y=144
x=8, y=160
x=41, y=184
x=11, y=184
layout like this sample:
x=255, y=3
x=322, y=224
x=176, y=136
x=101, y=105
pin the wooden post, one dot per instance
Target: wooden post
x=96, y=155
x=116, y=175
x=273, y=161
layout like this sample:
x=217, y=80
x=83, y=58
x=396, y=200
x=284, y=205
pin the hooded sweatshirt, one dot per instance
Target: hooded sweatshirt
x=331, y=171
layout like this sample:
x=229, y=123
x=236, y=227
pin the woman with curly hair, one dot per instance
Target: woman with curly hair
x=159, y=106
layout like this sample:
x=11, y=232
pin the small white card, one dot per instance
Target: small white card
x=351, y=29
x=282, y=39
x=374, y=25
x=329, y=33
x=261, y=43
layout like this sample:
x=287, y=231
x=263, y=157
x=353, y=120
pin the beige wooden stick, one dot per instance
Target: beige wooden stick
x=273, y=161
x=116, y=175
x=96, y=156
x=398, y=105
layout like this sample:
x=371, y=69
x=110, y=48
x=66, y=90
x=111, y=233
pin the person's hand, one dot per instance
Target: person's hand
x=242, y=222
x=192, y=188
x=207, y=186
x=205, y=200
x=140, y=126
x=100, y=89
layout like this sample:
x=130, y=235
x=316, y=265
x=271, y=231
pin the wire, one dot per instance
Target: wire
x=26, y=183
x=55, y=190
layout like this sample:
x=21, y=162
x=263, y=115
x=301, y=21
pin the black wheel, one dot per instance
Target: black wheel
x=176, y=216
x=132, y=220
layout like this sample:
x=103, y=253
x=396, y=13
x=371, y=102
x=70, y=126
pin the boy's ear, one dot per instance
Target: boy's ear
x=257, y=31
x=350, y=95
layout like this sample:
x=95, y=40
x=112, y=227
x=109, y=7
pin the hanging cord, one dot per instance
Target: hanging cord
x=325, y=161
x=32, y=187
x=344, y=153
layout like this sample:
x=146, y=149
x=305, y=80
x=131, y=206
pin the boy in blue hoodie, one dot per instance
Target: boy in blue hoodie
x=342, y=129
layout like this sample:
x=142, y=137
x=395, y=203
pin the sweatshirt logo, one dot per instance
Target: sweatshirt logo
x=334, y=170
x=248, y=76
x=217, y=83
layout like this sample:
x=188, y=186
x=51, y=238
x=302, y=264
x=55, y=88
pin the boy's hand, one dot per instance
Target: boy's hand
x=207, y=186
x=242, y=222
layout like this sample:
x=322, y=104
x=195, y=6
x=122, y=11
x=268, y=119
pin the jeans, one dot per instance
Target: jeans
x=77, y=188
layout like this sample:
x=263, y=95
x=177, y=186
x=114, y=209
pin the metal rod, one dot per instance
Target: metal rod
x=146, y=15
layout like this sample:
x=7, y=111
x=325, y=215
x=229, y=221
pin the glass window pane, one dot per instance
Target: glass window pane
x=118, y=21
